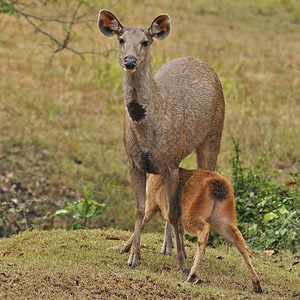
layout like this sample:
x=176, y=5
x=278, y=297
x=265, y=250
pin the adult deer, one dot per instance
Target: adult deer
x=169, y=114
x=206, y=200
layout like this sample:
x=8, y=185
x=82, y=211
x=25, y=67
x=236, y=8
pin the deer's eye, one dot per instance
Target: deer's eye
x=121, y=41
x=145, y=43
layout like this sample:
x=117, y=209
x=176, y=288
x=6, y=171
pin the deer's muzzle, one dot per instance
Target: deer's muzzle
x=130, y=62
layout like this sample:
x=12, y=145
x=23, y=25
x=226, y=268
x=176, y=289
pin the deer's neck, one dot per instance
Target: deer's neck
x=138, y=91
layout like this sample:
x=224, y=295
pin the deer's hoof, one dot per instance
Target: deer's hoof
x=186, y=271
x=191, y=278
x=132, y=266
x=257, y=287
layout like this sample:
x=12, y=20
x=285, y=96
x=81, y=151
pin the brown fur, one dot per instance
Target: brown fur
x=206, y=200
x=175, y=111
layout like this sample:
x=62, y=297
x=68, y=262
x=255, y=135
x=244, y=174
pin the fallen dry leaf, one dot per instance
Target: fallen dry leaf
x=291, y=183
x=269, y=252
x=198, y=282
x=116, y=238
x=115, y=274
x=11, y=264
x=113, y=248
x=111, y=237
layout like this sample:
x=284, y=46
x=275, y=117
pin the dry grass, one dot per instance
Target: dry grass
x=87, y=265
x=61, y=119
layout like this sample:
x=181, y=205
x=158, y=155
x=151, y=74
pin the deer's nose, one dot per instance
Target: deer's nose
x=130, y=62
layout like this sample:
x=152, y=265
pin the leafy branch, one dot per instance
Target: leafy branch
x=38, y=22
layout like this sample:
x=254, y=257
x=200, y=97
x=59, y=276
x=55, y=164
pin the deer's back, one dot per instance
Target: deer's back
x=192, y=95
x=191, y=79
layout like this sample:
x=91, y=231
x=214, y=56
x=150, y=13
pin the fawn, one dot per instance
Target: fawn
x=168, y=115
x=206, y=200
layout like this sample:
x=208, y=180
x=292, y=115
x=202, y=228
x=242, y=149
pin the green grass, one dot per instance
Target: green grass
x=61, y=119
x=86, y=264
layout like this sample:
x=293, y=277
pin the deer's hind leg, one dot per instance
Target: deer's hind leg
x=181, y=236
x=194, y=222
x=207, y=153
x=201, y=230
x=232, y=233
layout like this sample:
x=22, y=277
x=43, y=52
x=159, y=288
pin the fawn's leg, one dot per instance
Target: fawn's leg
x=150, y=211
x=138, y=179
x=202, y=232
x=232, y=233
x=172, y=185
x=167, y=243
x=202, y=259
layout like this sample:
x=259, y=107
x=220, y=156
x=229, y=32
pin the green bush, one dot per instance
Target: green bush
x=267, y=212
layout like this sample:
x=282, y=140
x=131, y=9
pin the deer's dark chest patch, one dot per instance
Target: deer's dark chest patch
x=136, y=111
x=148, y=164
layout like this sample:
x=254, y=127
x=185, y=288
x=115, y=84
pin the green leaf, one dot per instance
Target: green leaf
x=7, y=8
x=269, y=216
x=77, y=225
x=90, y=214
x=61, y=212
x=74, y=207
x=252, y=229
x=283, y=210
x=67, y=29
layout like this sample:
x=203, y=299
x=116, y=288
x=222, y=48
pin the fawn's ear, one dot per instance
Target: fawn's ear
x=108, y=23
x=160, y=27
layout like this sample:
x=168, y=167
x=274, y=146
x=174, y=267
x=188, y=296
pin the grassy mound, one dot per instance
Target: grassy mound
x=86, y=264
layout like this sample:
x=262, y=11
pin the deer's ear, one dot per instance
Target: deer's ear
x=108, y=23
x=160, y=27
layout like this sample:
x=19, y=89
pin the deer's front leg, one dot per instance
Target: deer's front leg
x=172, y=184
x=138, y=179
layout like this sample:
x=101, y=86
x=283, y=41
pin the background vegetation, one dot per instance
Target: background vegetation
x=61, y=116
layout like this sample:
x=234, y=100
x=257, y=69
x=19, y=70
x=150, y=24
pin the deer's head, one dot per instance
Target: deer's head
x=134, y=43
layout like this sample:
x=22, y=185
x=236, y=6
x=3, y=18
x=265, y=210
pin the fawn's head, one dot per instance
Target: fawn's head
x=134, y=42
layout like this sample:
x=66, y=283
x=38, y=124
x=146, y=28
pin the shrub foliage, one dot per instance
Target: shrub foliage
x=267, y=212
